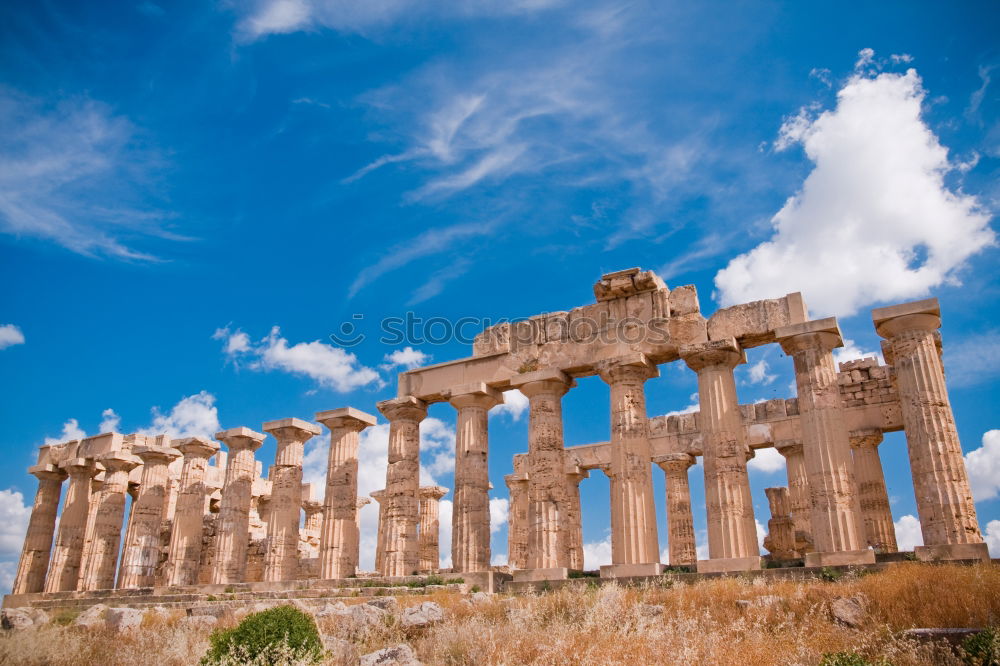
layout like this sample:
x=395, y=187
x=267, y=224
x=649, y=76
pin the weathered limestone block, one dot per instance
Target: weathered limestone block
x=339, y=536
x=281, y=562
x=233, y=535
x=184, y=553
x=67, y=555
x=836, y=512
x=143, y=547
x=880, y=532
x=573, y=517
x=680, y=519
x=625, y=283
x=402, y=478
x=379, y=497
x=944, y=501
x=780, y=539
x=517, y=521
x=429, y=528
x=470, y=538
x=34, y=561
x=753, y=324
x=103, y=561
x=800, y=503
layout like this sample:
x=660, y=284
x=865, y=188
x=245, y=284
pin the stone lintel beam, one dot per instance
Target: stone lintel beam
x=522, y=380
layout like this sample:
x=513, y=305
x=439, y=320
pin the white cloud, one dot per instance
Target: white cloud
x=71, y=430
x=701, y=544
x=992, y=537
x=109, y=421
x=499, y=560
x=852, y=352
x=14, y=515
x=761, y=533
x=908, y=534
x=194, y=416
x=407, y=357
x=445, y=509
x=10, y=335
x=874, y=221
x=514, y=404
x=330, y=367
x=766, y=460
x=693, y=407
x=597, y=553
x=758, y=373
x=983, y=465
x=972, y=360
x=498, y=513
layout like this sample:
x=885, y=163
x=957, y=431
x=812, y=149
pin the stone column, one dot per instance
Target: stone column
x=96, y=486
x=732, y=531
x=107, y=528
x=379, y=496
x=402, y=478
x=517, y=521
x=313, y=509
x=142, y=548
x=281, y=562
x=780, y=539
x=233, y=524
x=34, y=561
x=470, y=518
x=184, y=552
x=880, y=533
x=430, y=528
x=836, y=513
x=339, y=537
x=799, y=501
x=574, y=518
x=67, y=555
x=941, y=483
x=680, y=520
x=547, y=491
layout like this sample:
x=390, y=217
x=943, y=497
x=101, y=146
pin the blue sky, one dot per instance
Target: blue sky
x=194, y=196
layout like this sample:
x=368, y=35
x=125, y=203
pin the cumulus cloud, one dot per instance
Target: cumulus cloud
x=71, y=430
x=330, y=367
x=766, y=460
x=597, y=553
x=908, y=534
x=194, y=416
x=407, y=357
x=14, y=515
x=693, y=407
x=874, y=221
x=983, y=465
x=851, y=352
x=758, y=373
x=973, y=359
x=109, y=421
x=499, y=507
x=992, y=537
x=10, y=335
x=514, y=404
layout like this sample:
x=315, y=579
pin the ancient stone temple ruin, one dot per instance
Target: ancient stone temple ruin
x=201, y=514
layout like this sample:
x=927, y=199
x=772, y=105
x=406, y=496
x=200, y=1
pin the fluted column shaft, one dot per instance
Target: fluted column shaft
x=430, y=528
x=103, y=561
x=142, y=547
x=96, y=488
x=574, y=518
x=517, y=522
x=680, y=519
x=233, y=524
x=67, y=555
x=880, y=533
x=732, y=532
x=379, y=497
x=799, y=501
x=402, y=478
x=780, y=540
x=34, y=561
x=184, y=553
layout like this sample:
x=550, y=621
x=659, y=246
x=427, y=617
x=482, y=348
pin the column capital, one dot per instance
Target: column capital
x=627, y=366
x=241, y=438
x=788, y=447
x=312, y=505
x=291, y=429
x=156, y=454
x=362, y=501
x=513, y=479
x=196, y=447
x=577, y=474
x=865, y=437
x=432, y=492
x=119, y=461
x=823, y=334
x=548, y=380
x=725, y=352
x=922, y=315
x=474, y=395
x=47, y=472
x=81, y=467
x=674, y=462
x=346, y=417
x=377, y=495
x=406, y=408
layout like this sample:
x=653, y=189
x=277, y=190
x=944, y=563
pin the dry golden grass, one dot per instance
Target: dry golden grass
x=701, y=624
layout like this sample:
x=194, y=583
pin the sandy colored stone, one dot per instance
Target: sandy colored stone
x=429, y=527
x=396, y=655
x=517, y=520
x=798, y=494
x=402, y=478
x=142, y=547
x=780, y=539
x=573, y=518
x=184, y=554
x=680, y=519
x=67, y=554
x=879, y=530
x=233, y=533
x=34, y=562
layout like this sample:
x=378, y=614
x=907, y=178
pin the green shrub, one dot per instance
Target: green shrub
x=65, y=617
x=982, y=649
x=268, y=637
x=829, y=575
x=849, y=659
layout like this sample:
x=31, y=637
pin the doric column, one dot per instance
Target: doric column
x=880, y=533
x=547, y=491
x=184, y=552
x=517, y=521
x=281, y=562
x=379, y=496
x=96, y=486
x=780, y=539
x=799, y=501
x=339, y=541
x=941, y=483
x=836, y=513
x=680, y=520
x=430, y=527
x=233, y=523
x=107, y=529
x=574, y=518
x=402, y=478
x=313, y=510
x=732, y=531
x=470, y=518
x=67, y=555
x=34, y=561
x=142, y=548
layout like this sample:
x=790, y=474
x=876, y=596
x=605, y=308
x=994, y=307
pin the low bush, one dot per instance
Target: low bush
x=982, y=649
x=275, y=636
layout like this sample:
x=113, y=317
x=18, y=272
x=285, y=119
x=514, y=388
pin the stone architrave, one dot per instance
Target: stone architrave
x=379, y=497
x=780, y=539
x=233, y=524
x=184, y=553
x=574, y=518
x=429, y=528
x=402, y=478
x=732, y=530
x=880, y=533
x=339, y=535
x=470, y=518
x=680, y=519
x=547, y=488
x=107, y=530
x=517, y=521
x=142, y=547
x=799, y=501
x=281, y=562
x=67, y=554
x=34, y=561
x=836, y=512
x=940, y=481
